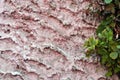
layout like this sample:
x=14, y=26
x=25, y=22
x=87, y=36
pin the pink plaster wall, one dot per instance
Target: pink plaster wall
x=43, y=40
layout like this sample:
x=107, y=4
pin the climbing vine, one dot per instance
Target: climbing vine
x=106, y=42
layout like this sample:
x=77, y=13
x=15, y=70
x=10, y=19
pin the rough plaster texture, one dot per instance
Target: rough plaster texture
x=43, y=40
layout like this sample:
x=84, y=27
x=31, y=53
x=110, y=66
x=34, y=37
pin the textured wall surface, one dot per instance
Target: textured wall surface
x=43, y=40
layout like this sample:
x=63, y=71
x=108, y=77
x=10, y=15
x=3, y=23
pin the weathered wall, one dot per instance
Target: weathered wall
x=43, y=40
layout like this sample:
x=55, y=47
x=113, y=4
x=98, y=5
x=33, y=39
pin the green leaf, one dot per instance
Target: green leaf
x=107, y=1
x=109, y=34
x=114, y=55
x=118, y=46
x=108, y=74
x=116, y=69
x=104, y=44
x=102, y=51
x=91, y=43
x=118, y=66
x=113, y=46
x=104, y=59
x=106, y=34
x=112, y=24
x=100, y=28
x=104, y=24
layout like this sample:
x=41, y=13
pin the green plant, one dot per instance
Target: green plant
x=107, y=1
x=106, y=44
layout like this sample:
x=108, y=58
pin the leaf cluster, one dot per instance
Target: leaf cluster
x=106, y=44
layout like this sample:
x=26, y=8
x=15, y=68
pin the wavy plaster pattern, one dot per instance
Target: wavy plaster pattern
x=43, y=40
